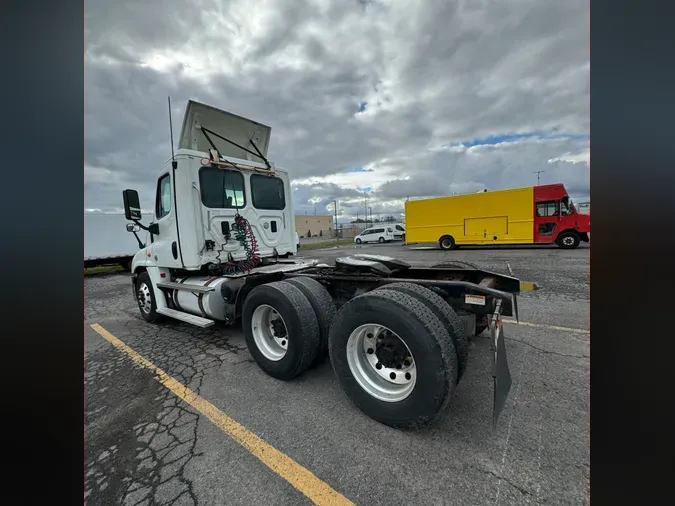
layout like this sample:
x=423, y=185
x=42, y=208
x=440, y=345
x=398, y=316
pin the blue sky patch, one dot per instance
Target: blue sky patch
x=357, y=169
x=513, y=137
x=362, y=107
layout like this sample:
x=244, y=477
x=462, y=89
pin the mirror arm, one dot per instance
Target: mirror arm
x=153, y=228
x=143, y=227
x=140, y=243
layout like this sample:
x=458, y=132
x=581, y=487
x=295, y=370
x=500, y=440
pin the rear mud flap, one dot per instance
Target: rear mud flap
x=500, y=365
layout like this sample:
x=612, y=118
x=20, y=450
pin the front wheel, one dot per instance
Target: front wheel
x=145, y=297
x=568, y=240
x=359, y=241
x=381, y=240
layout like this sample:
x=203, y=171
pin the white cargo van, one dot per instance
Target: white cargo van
x=376, y=234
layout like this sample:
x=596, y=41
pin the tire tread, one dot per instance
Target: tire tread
x=402, y=303
x=308, y=333
x=453, y=325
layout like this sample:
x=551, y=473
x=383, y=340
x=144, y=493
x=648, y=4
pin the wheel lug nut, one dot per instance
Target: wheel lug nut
x=378, y=366
x=370, y=351
x=393, y=375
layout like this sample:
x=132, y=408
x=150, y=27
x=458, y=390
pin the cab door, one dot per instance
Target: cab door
x=165, y=248
x=546, y=221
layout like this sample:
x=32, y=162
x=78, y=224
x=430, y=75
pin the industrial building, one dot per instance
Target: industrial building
x=314, y=225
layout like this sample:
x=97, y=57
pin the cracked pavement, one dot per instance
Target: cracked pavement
x=144, y=446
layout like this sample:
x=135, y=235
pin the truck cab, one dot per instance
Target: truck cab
x=556, y=219
x=201, y=200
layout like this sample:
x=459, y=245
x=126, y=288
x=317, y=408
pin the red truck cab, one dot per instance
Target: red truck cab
x=556, y=220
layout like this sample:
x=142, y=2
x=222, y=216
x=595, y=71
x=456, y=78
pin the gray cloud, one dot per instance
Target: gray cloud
x=433, y=74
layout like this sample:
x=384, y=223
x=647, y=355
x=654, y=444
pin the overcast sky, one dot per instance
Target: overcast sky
x=397, y=98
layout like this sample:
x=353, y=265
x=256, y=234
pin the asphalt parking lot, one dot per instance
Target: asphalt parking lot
x=145, y=445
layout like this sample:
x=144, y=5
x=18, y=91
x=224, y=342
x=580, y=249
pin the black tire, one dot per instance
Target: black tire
x=358, y=241
x=445, y=313
x=324, y=309
x=447, y=242
x=403, y=237
x=144, y=291
x=426, y=338
x=381, y=240
x=300, y=322
x=568, y=240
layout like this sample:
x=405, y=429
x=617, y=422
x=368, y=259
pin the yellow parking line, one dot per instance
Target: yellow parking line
x=551, y=327
x=302, y=479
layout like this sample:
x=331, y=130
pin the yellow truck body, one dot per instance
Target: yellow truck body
x=496, y=217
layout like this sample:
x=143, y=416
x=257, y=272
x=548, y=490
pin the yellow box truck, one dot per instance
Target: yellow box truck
x=532, y=215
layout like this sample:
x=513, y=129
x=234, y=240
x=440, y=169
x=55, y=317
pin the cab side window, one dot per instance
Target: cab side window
x=163, y=204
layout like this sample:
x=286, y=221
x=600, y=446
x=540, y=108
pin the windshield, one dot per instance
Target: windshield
x=566, y=207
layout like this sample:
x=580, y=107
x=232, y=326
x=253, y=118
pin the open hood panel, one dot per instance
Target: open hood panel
x=234, y=128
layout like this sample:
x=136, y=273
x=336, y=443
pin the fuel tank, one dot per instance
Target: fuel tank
x=216, y=304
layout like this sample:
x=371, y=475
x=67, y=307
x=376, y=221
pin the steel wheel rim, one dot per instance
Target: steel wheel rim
x=568, y=241
x=144, y=298
x=445, y=243
x=271, y=342
x=388, y=383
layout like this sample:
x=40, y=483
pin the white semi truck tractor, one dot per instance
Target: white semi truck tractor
x=220, y=252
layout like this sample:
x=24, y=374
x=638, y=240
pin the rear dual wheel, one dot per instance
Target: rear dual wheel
x=286, y=325
x=394, y=357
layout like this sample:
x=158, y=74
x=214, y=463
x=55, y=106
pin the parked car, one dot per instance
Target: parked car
x=377, y=234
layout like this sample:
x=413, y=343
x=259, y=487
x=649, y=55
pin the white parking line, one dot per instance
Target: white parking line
x=550, y=327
